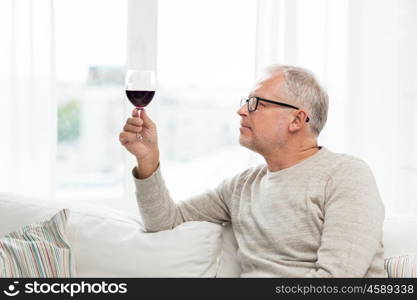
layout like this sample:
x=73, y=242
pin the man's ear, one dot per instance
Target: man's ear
x=298, y=121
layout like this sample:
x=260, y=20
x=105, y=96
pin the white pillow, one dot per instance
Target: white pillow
x=109, y=243
x=229, y=263
x=399, y=235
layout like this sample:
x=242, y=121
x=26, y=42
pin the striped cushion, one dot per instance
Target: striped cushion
x=38, y=250
x=401, y=266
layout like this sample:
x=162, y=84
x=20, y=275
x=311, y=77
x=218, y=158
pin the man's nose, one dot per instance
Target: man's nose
x=243, y=110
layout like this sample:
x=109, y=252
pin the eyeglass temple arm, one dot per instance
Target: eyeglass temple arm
x=280, y=103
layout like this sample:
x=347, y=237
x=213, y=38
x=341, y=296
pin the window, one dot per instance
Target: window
x=205, y=64
x=206, y=54
x=90, y=60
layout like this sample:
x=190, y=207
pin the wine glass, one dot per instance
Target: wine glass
x=140, y=89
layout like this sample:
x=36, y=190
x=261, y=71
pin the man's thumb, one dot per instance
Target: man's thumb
x=135, y=113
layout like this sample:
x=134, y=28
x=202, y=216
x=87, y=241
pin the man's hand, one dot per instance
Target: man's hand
x=140, y=138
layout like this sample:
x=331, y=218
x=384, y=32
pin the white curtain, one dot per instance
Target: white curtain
x=27, y=105
x=365, y=53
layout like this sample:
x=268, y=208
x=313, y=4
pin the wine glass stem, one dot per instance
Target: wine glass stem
x=139, y=137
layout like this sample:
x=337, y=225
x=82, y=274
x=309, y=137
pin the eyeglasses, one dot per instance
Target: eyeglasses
x=253, y=104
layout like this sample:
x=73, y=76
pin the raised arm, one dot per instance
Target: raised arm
x=160, y=212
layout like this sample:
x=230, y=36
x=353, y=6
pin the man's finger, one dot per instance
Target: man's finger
x=134, y=121
x=126, y=137
x=132, y=128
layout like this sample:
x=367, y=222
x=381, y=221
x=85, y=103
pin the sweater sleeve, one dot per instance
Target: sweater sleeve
x=160, y=212
x=353, y=221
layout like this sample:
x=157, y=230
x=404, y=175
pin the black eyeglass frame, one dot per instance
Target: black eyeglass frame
x=268, y=101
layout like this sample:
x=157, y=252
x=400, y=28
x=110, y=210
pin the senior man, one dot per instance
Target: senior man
x=306, y=212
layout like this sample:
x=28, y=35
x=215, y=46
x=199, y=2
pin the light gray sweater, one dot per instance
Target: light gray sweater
x=322, y=217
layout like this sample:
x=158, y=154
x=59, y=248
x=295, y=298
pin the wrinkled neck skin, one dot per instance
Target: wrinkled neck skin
x=289, y=155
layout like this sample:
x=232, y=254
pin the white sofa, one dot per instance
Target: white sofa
x=109, y=243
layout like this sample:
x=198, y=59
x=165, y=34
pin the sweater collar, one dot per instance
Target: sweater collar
x=309, y=160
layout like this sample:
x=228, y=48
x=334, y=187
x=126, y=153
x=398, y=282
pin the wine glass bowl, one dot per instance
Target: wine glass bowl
x=140, y=87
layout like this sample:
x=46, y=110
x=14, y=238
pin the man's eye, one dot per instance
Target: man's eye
x=261, y=104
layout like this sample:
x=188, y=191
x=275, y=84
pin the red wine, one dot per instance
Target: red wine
x=140, y=98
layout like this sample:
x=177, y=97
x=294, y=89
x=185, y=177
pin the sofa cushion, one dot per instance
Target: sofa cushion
x=399, y=238
x=38, y=250
x=229, y=263
x=109, y=243
x=400, y=246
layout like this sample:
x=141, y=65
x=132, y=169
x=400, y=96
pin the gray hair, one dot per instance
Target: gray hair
x=302, y=87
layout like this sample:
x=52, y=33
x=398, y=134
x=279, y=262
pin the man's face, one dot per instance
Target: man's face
x=266, y=128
